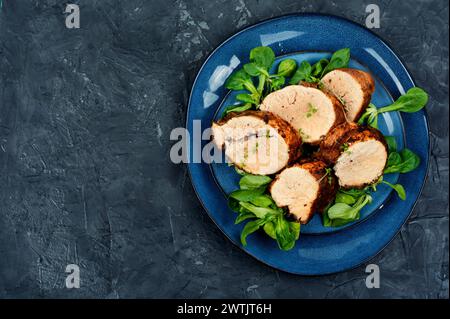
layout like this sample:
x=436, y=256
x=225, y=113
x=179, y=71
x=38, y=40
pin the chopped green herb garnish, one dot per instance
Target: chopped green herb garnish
x=255, y=148
x=329, y=176
x=302, y=134
x=320, y=85
x=341, y=100
x=311, y=110
x=344, y=147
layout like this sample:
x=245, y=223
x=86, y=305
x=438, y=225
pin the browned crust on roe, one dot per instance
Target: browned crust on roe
x=284, y=129
x=328, y=186
x=367, y=85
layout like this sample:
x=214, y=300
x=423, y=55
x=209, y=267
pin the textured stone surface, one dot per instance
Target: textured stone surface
x=85, y=178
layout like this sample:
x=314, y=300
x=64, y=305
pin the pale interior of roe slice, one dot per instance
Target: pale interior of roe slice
x=252, y=144
x=361, y=163
x=297, y=189
x=308, y=110
x=347, y=90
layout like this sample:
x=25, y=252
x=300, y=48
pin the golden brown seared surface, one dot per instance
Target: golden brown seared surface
x=358, y=153
x=354, y=88
x=257, y=142
x=330, y=146
x=304, y=188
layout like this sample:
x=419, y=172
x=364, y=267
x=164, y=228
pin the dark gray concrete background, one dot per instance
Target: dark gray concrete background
x=85, y=176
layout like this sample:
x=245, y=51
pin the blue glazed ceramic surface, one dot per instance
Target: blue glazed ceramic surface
x=320, y=250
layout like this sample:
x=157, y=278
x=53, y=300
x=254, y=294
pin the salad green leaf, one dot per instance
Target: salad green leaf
x=344, y=198
x=346, y=207
x=403, y=162
x=237, y=108
x=259, y=212
x=394, y=159
x=254, y=69
x=244, y=215
x=286, y=233
x=398, y=188
x=247, y=195
x=339, y=59
x=240, y=80
x=248, y=98
x=347, y=212
x=277, y=82
x=262, y=57
x=303, y=73
x=269, y=229
x=391, y=142
x=319, y=67
x=412, y=101
x=250, y=228
x=263, y=201
x=286, y=68
x=251, y=203
x=250, y=181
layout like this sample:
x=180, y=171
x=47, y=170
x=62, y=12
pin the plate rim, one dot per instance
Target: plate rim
x=408, y=73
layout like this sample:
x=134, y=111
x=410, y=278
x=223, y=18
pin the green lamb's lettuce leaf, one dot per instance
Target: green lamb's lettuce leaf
x=403, y=162
x=344, y=198
x=254, y=69
x=237, y=108
x=269, y=229
x=248, y=98
x=277, y=82
x=346, y=208
x=244, y=215
x=254, y=181
x=391, y=142
x=303, y=73
x=412, y=101
x=318, y=68
x=259, y=212
x=398, y=188
x=286, y=68
x=286, y=233
x=263, y=201
x=250, y=228
x=246, y=195
x=339, y=59
x=239, y=80
x=262, y=57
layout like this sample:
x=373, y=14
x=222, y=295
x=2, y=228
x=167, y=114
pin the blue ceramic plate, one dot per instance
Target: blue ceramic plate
x=320, y=250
